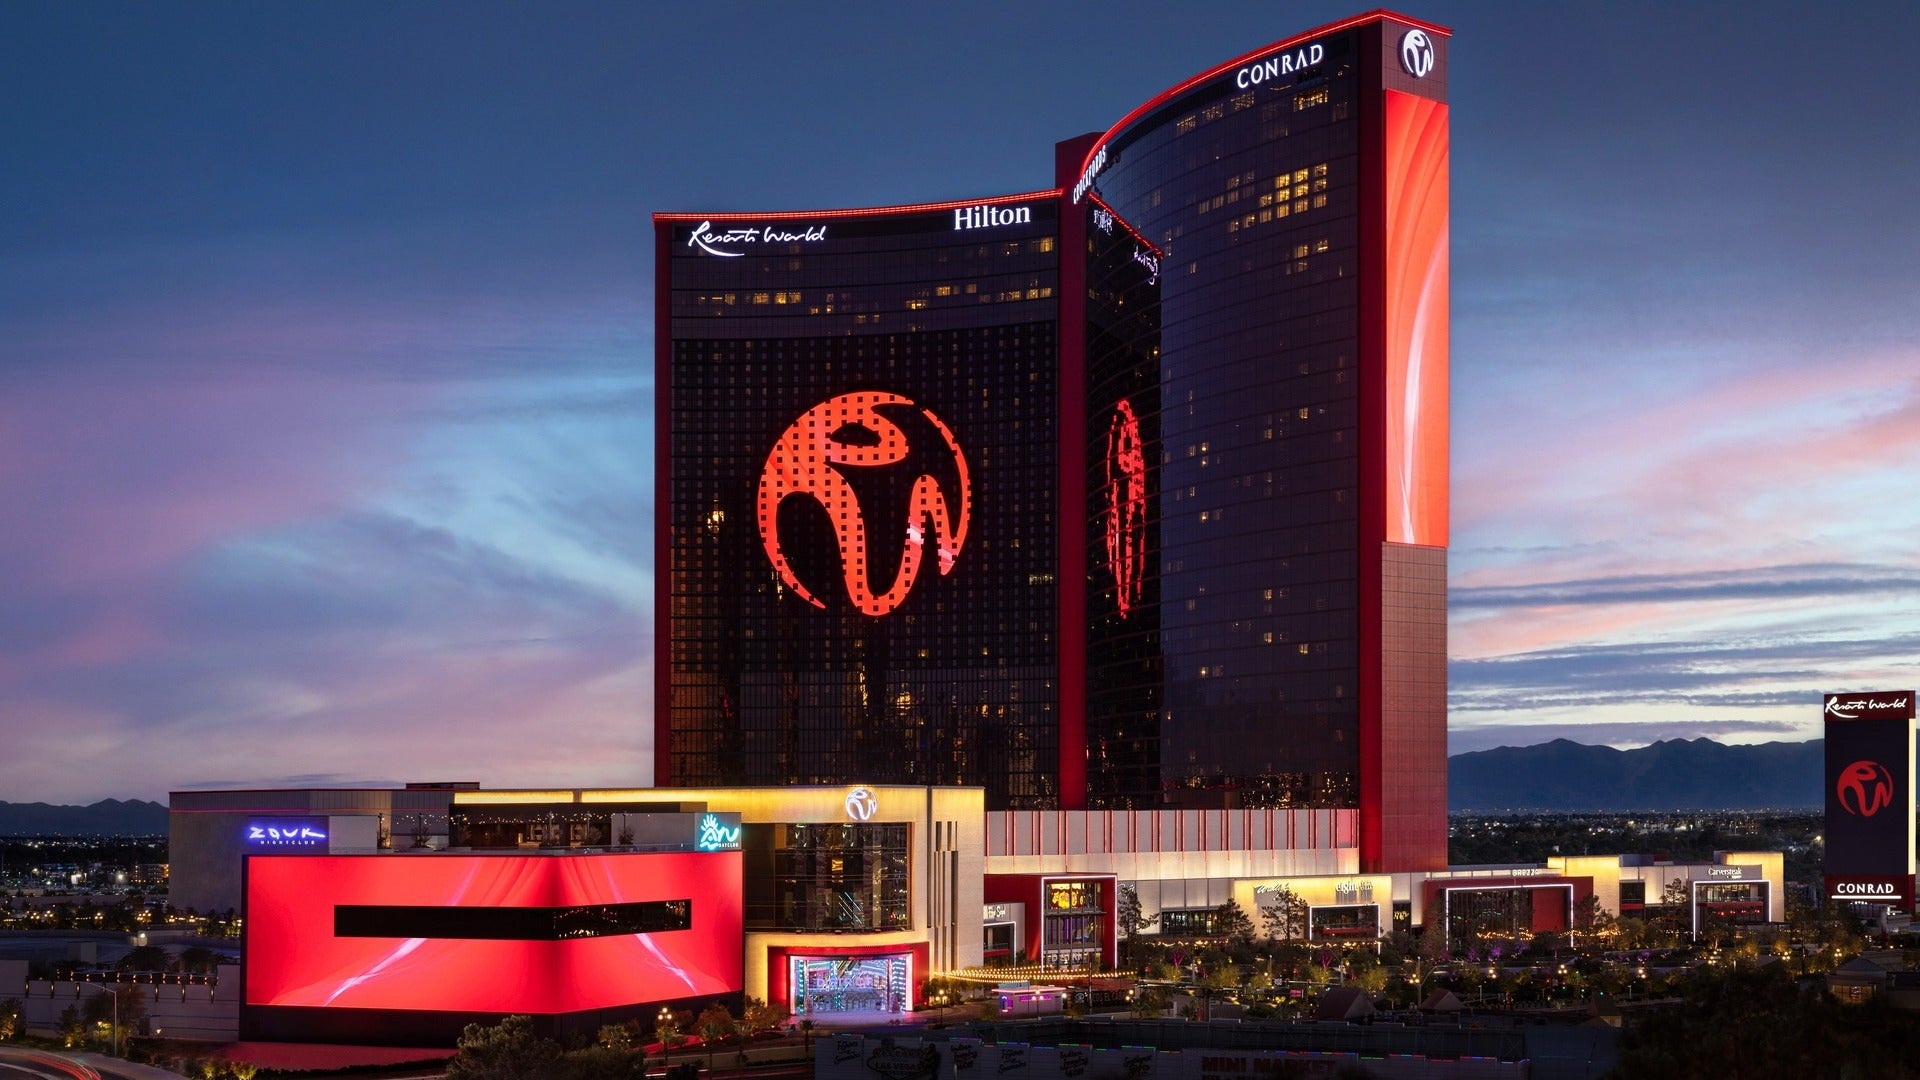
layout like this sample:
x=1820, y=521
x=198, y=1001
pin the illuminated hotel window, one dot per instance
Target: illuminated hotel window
x=1308, y=99
x=1186, y=124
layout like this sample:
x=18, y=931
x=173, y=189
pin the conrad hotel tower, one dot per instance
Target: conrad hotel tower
x=1126, y=493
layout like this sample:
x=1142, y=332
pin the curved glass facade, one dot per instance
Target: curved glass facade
x=1266, y=438
x=1252, y=408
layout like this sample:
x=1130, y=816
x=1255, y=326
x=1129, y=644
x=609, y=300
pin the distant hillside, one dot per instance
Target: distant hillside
x=1682, y=774
x=108, y=817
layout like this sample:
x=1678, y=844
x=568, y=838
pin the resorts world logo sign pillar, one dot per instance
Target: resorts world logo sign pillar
x=1870, y=796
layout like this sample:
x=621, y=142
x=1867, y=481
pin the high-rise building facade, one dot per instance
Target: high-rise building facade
x=857, y=474
x=1130, y=494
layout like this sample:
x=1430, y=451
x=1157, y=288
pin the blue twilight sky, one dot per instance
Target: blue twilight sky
x=326, y=347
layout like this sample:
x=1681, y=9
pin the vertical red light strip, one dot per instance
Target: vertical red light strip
x=662, y=504
x=1070, y=580
x=1416, y=319
x=1373, y=304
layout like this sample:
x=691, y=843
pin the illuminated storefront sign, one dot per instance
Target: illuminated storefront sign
x=996, y=912
x=810, y=460
x=1416, y=53
x=1126, y=506
x=862, y=804
x=715, y=835
x=984, y=216
x=727, y=244
x=1348, y=892
x=285, y=833
x=1073, y=895
x=1275, y=66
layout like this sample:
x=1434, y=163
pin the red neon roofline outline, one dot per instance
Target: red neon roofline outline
x=869, y=211
x=1376, y=15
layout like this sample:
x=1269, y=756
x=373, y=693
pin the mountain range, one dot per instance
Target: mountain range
x=108, y=817
x=1559, y=776
x=1676, y=774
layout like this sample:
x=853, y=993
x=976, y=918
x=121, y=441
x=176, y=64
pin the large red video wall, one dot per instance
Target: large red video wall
x=295, y=959
x=1417, y=319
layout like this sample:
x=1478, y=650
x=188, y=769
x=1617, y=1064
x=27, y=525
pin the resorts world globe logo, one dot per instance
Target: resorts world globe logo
x=811, y=460
x=1864, y=788
x=862, y=804
x=1416, y=53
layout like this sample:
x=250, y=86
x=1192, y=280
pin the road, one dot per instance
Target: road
x=16, y=1063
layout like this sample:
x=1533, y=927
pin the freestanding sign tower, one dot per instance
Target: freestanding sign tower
x=1869, y=781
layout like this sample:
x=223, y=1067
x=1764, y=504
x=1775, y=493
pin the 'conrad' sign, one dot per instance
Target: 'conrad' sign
x=1283, y=64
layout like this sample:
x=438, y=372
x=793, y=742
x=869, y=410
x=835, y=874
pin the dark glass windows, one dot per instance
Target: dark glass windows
x=1236, y=682
x=952, y=334
x=827, y=878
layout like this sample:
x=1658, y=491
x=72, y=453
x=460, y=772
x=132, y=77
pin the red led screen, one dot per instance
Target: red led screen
x=1417, y=320
x=293, y=957
x=809, y=459
x=1126, y=506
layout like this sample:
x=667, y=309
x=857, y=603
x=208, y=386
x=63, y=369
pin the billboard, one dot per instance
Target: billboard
x=1869, y=796
x=491, y=934
x=1417, y=270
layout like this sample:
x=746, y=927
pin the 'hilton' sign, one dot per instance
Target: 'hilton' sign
x=984, y=216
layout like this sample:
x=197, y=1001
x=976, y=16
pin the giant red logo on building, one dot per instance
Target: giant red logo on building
x=1864, y=788
x=1126, y=506
x=812, y=459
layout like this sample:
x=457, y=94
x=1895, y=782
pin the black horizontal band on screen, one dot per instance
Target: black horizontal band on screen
x=512, y=923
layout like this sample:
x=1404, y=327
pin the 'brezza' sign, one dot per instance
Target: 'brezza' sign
x=983, y=216
x=1273, y=67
